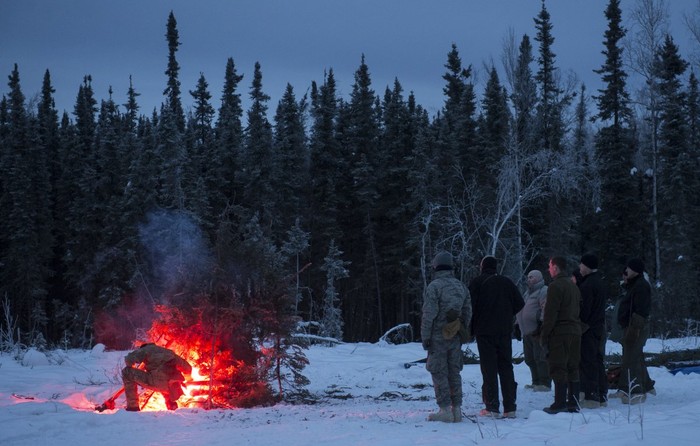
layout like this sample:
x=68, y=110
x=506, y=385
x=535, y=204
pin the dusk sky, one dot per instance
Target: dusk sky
x=294, y=41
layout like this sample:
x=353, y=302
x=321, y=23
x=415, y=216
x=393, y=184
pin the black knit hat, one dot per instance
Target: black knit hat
x=636, y=265
x=489, y=262
x=590, y=260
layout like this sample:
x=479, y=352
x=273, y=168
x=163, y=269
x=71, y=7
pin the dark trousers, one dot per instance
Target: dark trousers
x=634, y=377
x=496, y=360
x=592, y=368
x=563, y=357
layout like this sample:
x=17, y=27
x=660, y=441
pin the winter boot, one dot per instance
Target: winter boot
x=457, y=414
x=171, y=405
x=559, y=404
x=444, y=414
x=572, y=402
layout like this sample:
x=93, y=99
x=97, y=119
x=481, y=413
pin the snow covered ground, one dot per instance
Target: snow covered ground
x=367, y=396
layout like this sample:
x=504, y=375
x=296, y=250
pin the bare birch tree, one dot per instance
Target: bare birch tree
x=649, y=22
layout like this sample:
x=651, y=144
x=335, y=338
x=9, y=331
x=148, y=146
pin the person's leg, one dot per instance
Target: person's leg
x=131, y=378
x=505, y=373
x=542, y=365
x=438, y=368
x=489, y=372
x=602, y=370
x=556, y=359
x=455, y=363
x=530, y=361
x=573, y=358
x=589, y=365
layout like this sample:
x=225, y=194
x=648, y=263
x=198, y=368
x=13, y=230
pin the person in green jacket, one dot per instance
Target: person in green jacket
x=561, y=335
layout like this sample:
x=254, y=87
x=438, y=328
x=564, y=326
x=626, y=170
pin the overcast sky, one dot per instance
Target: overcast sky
x=294, y=41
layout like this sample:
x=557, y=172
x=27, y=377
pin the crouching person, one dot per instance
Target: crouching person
x=446, y=310
x=162, y=371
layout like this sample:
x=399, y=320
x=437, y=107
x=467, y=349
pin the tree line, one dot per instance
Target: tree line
x=344, y=201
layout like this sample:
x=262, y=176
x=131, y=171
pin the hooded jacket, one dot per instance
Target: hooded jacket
x=535, y=299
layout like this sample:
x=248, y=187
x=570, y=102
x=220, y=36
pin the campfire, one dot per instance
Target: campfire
x=224, y=365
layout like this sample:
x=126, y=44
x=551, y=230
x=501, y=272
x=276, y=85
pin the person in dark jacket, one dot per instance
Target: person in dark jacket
x=495, y=301
x=561, y=335
x=594, y=296
x=162, y=372
x=632, y=316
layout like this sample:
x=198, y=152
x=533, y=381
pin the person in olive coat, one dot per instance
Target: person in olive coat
x=561, y=335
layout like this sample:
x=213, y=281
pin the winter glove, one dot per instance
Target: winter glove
x=426, y=344
x=517, y=333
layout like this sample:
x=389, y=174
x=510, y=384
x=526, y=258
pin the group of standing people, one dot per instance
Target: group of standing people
x=562, y=326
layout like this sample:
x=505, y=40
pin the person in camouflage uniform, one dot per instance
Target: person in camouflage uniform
x=162, y=371
x=445, y=302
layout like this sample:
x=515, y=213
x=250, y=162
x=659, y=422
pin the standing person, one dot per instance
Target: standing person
x=495, y=300
x=446, y=300
x=162, y=371
x=561, y=335
x=528, y=322
x=594, y=296
x=632, y=316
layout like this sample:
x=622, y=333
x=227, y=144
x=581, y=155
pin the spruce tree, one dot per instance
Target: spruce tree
x=619, y=227
x=550, y=132
x=549, y=110
x=360, y=143
x=292, y=175
x=258, y=161
x=677, y=177
x=336, y=269
x=524, y=98
x=170, y=148
x=199, y=183
x=172, y=92
x=26, y=224
x=493, y=132
x=458, y=134
x=326, y=166
x=226, y=154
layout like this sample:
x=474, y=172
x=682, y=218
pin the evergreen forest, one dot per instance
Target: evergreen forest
x=339, y=203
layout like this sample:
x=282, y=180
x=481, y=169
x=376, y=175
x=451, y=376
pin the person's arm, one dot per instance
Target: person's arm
x=467, y=309
x=135, y=357
x=430, y=310
x=551, y=313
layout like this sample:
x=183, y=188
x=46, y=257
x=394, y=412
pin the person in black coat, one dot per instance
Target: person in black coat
x=495, y=301
x=633, y=315
x=594, y=296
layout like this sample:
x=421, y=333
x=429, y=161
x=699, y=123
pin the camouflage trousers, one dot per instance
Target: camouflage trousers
x=445, y=362
x=169, y=386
